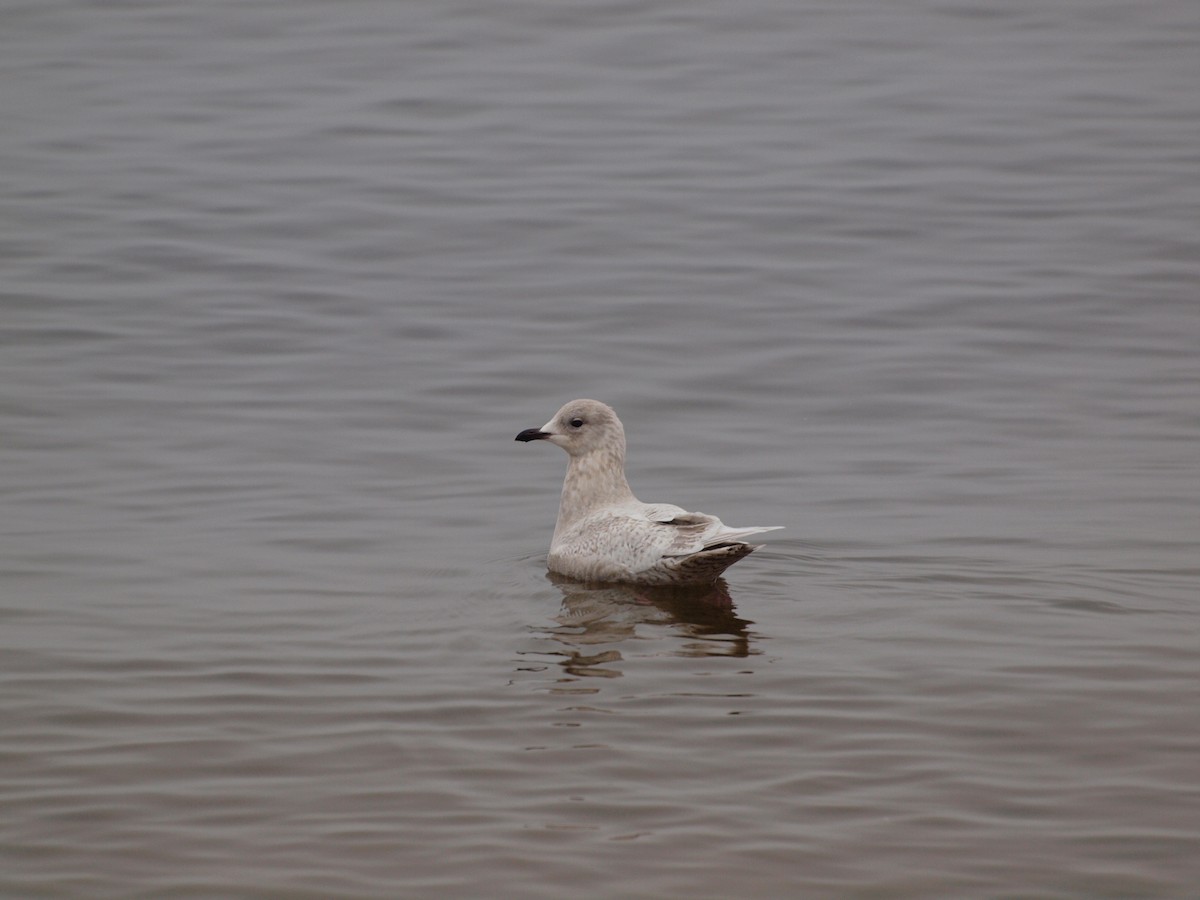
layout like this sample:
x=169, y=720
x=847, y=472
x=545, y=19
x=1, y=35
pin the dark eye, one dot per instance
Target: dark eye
x=577, y=422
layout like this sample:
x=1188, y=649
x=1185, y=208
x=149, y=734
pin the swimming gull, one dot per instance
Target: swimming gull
x=604, y=533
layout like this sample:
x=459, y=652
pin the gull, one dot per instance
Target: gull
x=605, y=534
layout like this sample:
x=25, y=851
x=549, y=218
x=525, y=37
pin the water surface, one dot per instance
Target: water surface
x=282, y=281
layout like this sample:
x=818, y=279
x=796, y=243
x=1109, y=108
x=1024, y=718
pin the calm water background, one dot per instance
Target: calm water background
x=917, y=279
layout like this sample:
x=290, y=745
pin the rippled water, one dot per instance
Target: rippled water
x=282, y=281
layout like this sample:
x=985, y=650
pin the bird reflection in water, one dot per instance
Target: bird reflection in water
x=595, y=617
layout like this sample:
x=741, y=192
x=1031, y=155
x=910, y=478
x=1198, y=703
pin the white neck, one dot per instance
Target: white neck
x=593, y=480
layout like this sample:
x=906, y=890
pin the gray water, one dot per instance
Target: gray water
x=916, y=279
